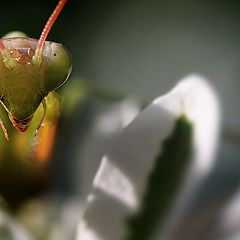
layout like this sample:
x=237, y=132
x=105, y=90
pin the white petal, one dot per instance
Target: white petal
x=195, y=97
x=109, y=121
x=12, y=227
x=120, y=181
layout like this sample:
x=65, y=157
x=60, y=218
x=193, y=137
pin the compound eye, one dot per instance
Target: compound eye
x=58, y=68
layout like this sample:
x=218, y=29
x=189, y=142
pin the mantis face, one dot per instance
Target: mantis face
x=24, y=85
x=29, y=70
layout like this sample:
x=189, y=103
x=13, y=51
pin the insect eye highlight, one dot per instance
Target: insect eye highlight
x=59, y=66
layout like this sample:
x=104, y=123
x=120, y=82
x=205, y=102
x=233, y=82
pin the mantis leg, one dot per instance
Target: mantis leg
x=4, y=129
x=43, y=116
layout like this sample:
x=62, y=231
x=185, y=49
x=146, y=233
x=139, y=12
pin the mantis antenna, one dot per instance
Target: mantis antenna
x=37, y=58
x=9, y=61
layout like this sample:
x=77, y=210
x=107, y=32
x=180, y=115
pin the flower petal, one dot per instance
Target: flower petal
x=121, y=180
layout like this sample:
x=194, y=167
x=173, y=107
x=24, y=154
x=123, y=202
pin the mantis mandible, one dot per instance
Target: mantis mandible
x=29, y=70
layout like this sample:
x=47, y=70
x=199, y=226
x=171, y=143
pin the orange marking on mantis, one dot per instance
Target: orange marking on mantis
x=2, y=47
x=45, y=142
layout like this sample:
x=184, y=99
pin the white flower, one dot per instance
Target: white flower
x=122, y=178
x=10, y=228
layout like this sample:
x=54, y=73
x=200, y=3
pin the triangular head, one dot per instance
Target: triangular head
x=29, y=70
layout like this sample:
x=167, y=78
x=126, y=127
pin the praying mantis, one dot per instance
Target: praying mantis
x=30, y=69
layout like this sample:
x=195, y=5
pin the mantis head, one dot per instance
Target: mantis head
x=29, y=70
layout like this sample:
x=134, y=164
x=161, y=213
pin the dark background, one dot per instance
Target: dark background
x=144, y=46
